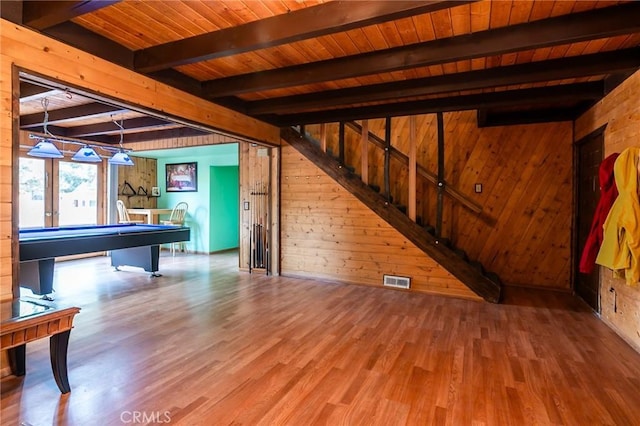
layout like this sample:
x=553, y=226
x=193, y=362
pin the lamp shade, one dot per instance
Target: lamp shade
x=121, y=159
x=45, y=149
x=87, y=154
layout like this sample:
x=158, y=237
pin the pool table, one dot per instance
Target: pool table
x=130, y=244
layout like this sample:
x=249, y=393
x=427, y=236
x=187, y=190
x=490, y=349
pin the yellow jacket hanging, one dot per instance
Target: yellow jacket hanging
x=620, y=250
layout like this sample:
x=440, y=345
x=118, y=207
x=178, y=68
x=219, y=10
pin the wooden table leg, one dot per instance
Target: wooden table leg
x=17, y=360
x=58, y=344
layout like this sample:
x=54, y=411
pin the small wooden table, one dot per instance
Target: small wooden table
x=151, y=214
x=24, y=321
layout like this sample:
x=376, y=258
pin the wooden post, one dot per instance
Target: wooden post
x=323, y=137
x=387, y=159
x=412, y=168
x=273, y=255
x=341, y=143
x=440, y=174
x=364, y=155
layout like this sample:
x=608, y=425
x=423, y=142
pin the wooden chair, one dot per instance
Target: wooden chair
x=177, y=217
x=123, y=214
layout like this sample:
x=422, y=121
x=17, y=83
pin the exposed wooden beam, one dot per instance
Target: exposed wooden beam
x=32, y=92
x=44, y=14
x=555, y=69
x=139, y=123
x=95, y=44
x=100, y=46
x=154, y=135
x=12, y=11
x=54, y=130
x=606, y=22
x=65, y=115
x=488, y=118
x=178, y=80
x=310, y=22
x=544, y=95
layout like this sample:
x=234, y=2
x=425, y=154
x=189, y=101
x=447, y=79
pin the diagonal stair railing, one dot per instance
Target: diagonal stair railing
x=471, y=274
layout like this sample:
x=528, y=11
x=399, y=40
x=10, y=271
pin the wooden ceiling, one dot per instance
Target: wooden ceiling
x=293, y=62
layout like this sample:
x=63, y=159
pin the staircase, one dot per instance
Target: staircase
x=485, y=284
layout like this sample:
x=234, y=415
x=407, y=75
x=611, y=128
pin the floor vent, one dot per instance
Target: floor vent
x=397, y=282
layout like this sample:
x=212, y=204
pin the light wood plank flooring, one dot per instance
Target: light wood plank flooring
x=207, y=345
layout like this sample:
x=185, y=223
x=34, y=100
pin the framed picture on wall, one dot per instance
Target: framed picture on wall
x=182, y=177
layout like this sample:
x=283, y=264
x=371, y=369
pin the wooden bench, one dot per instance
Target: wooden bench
x=24, y=321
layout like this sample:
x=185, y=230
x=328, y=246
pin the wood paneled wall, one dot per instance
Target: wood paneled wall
x=620, y=111
x=34, y=52
x=143, y=174
x=327, y=233
x=524, y=230
x=184, y=142
x=8, y=155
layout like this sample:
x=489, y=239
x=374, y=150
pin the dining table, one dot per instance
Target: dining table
x=152, y=215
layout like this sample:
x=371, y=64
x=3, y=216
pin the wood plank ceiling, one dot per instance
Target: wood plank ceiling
x=293, y=62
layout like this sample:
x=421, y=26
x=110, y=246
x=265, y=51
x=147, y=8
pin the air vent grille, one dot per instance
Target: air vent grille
x=396, y=282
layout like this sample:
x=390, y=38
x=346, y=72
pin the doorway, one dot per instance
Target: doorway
x=589, y=153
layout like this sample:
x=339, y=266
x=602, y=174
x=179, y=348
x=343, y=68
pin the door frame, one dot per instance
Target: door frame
x=575, y=249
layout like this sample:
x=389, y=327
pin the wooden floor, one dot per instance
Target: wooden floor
x=207, y=345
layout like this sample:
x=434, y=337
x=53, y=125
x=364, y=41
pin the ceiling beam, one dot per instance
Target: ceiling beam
x=52, y=130
x=555, y=69
x=44, y=14
x=489, y=118
x=605, y=22
x=95, y=44
x=310, y=22
x=110, y=127
x=544, y=95
x=33, y=92
x=66, y=115
x=156, y=135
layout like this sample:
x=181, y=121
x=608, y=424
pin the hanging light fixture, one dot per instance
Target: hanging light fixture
x=87, y=154
x=120, y=158
x=45, y=148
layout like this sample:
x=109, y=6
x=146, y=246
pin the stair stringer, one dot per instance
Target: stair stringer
x=432, y=246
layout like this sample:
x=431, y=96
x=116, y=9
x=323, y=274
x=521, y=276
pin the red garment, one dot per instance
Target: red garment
x=608, y=194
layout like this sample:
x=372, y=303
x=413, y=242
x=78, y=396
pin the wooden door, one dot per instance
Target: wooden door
x=589, y=156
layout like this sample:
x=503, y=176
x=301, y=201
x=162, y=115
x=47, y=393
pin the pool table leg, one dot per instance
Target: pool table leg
x=37, y=275
x=17, y=360
x=145, y=257
x=58, y=344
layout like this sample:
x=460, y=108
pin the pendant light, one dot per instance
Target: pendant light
x=87, y=154
x=120, y=158
x=45, y=148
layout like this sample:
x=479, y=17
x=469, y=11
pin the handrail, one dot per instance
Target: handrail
x=430, y=177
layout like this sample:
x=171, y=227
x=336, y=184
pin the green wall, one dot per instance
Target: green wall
x=200, y=216
x=224, y=228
